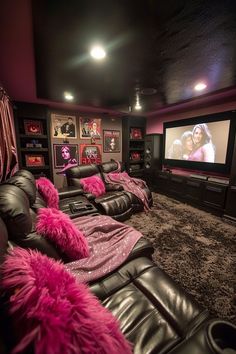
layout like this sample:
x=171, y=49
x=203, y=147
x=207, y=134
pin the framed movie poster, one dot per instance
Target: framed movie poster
x=65, y=156
x=90, y=154
x=33, y=127
x=90, y=128
x=111, y=141
x=34, y=160
x=63, y=126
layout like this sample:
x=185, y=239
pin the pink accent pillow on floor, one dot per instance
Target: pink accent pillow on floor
x=93, y=185
x=55, y=313
x=48, y=192
x=58, y=228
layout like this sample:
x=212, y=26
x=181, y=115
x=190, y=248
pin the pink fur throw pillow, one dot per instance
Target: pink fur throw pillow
x=48, y=192
x=93, y=185
x=55, y=313
x=60, y=230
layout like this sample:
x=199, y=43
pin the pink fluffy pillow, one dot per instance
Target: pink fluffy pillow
x=93, y=185
x=48, y=192
x=55, y=313
x=58, y=228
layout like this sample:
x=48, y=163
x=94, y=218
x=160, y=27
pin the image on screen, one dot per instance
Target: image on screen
x=205, y=142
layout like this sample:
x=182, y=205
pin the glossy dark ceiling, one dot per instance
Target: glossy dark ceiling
x=158, y=48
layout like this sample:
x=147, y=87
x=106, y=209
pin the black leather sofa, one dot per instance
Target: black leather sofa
x=155, y=313
x=116, y=202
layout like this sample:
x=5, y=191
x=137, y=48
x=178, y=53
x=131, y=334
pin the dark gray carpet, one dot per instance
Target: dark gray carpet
x=196, y=249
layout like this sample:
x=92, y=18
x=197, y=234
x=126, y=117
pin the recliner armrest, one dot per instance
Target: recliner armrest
x=143, y=248
x=90, y=196
x=213, y=337
x=37, y=242
x=71, y=191
x=114, y=187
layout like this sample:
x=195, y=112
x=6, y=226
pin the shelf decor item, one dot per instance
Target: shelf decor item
x=29, y=145
x=111, y=141
x=135, y=156
x=34, y=160
x=136, y=133
x=34, y=144
x=33, y=127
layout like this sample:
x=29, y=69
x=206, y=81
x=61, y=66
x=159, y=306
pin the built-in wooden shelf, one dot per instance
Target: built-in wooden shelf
x=34, y=149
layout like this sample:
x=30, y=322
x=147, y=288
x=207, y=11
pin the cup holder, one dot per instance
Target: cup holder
x=222, y=337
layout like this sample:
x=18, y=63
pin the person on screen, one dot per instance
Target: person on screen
x=203, y=148
x=68, y=128
x=176, y=150
x=187, y=144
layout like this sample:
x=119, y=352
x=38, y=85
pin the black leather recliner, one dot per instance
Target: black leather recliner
x=115, y=202
x=155, y=313
x=111, y=166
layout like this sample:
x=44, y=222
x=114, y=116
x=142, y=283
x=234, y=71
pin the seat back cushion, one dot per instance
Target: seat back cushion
x=3, y=240
x=55, y=313
x=112, y=166
x=74, y=174
x=15, y=211
x=25, y=185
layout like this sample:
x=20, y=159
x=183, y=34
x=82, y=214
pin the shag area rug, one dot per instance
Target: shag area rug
x=196, y=249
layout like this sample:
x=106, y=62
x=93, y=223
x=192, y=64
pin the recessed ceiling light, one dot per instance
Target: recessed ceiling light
x=68, y=96
x=98, y=53
x=200, y=86
x=137, y=106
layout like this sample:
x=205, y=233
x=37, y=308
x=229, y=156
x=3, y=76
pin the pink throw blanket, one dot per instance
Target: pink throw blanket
x=130, y=184
x=110, y=243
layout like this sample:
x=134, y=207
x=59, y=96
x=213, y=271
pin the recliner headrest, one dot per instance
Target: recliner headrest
x=27, y=174
x=107, y=167
x=15, y=211
x=26, y=184
x=82, y=171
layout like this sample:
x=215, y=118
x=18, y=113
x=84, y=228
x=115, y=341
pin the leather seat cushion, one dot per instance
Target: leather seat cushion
x=114, y=203
x=153, y=311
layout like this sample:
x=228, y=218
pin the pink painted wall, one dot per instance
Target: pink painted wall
x=17, y=68
x=215, y=103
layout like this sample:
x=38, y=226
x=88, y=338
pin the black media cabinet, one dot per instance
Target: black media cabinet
x=198, y=191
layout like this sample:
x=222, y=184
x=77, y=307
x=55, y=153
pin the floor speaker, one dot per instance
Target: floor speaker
x=153, y=151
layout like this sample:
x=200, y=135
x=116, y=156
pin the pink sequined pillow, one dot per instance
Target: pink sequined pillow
x=93, y=185
x=60, y=230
